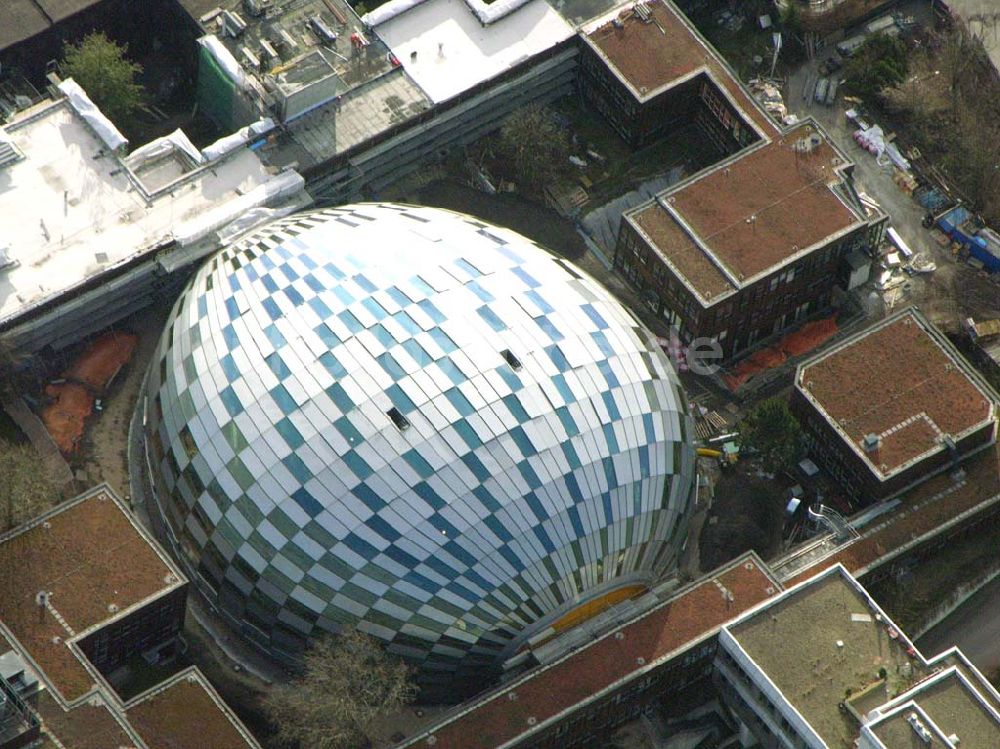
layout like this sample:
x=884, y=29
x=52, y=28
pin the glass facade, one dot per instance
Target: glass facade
x=409, y=421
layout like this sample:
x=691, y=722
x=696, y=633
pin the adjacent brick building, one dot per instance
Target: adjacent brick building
x=648, y=71
x=891, y=405
x=83, y=590
x=745, y=248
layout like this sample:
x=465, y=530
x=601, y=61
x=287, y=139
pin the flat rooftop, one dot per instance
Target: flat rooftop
x=304, y=56
x=20, y=20
x=185, y=711
x=900, y=380
x=823, y=638
x=335, y=128
x=95, y=564
x=651, y=58
x=947, y=704
x=581, y=675
x=454, y=51
x=72, y=210
x=88, y=554
x=744, y=218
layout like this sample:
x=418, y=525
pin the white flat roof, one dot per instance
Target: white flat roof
x=469, y=51
x=70, y=210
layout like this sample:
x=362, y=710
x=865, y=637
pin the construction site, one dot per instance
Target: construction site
x=780, y=241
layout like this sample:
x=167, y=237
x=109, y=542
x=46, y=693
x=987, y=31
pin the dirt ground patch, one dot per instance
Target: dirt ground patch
x=747, y=513
x=71, y=400
x=103, y=448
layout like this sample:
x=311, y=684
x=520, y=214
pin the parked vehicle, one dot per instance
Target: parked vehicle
x=830, y=66
x=964, y=227
x=831, y=92
x=849, y=46
x=819, y=95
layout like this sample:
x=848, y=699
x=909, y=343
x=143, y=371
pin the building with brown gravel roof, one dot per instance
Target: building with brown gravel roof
x=745, y=248
x=892, y=404
x=83, y=590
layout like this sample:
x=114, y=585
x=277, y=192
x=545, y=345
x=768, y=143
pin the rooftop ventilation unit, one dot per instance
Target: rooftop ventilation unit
x=643, y=12
x=919, y=728
x=252, y=61
x=232, y=24
x=320, y=29
x=286, y=39
x=257, y=8
x=270, y=53
x=6, y=261
x=808, y=144
x=870, y=443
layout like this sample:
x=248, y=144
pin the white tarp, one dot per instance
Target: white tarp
x=899, y=242
x=93, y=116
x=873, y=140
x=485, y=13
x=176, y=141
x=234, y=140
x=280, y=186
x=226, y=60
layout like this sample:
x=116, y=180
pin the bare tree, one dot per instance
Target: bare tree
x=960, y=52
x=25, y=491
x=976, y=154
x=16, y=369
x=531, y=148
x=347, y=683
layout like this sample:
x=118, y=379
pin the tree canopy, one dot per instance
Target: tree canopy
x=531, y=147
x=881, y=62
x=770, y=430
x=347, y=683
x=101, y=68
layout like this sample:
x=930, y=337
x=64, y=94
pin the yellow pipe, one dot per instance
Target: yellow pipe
x=704, y=452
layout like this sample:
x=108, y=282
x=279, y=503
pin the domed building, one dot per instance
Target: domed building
x=407, y=420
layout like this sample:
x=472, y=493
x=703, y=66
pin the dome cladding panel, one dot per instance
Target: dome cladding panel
x=406, y=419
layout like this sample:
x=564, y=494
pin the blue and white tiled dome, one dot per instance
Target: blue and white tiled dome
x=410, y=421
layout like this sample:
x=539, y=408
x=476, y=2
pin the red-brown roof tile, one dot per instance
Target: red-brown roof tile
x=767, y=205
x=579, y=676
x=670, y=241
x=921, y=510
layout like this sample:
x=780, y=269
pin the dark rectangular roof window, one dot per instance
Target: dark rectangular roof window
x=512, y=360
